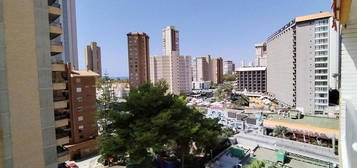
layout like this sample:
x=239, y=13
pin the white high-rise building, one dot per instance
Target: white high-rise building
x=261, y=54
x=171, y=67
x=302, y=63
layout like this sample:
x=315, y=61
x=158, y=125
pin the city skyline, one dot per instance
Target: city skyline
x=199, y=37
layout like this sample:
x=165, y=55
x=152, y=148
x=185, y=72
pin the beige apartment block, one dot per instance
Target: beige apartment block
x=216, y=72
x=139, y=59
x=171, y=67
x=93, y=58
x=26, y=105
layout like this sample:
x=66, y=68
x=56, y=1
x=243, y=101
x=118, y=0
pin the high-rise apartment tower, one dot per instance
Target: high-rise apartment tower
x=139, y=58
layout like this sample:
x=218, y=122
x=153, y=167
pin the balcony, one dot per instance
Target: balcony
x=58, y=67
x=54, y=12
x=60, y=104
x=61, y=114
x=59, y=86
x=56, y=48
x=61, y=123
x=62, y=141
x=55, y=31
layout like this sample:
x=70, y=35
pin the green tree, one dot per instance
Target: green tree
x=255, y=164
x=154, y=124
x=280, y=131
x=223, y=92
x=241, y=100
x=107, y=102
x=228, y=77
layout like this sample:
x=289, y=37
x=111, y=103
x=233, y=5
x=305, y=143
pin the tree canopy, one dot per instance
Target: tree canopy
x=229, y=77
x=154, y=124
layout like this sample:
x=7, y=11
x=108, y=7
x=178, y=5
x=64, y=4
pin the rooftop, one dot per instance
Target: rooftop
x=83, y=73
x=313, y=16
x=321, y=122
x=251, y=68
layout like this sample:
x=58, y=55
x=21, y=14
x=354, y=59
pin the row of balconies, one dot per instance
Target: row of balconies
x=59, y=81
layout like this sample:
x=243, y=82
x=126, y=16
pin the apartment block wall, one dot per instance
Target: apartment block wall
x=27, y=130
x=139, y=59
x=185, y=75
x=216, y=71
x=83, y=102
x=280, y=69
x=305, y=66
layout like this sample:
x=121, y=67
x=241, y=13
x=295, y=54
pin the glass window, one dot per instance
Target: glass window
x=80, y=118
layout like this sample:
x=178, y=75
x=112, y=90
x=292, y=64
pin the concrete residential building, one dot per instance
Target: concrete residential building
x=228, y=67
x=216, y=72
x=44, y=96
x=27, y=127
x=251, y=79
x=345, y=12
x=172, y=67
x=139, y=58
x=92, y=55
x=206, y=69
x=261, y=54
x=82, y=95
x=305, y=54
x=201, y=68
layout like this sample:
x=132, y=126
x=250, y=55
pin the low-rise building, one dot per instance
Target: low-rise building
x=82, y=92
x=251, y=79
x=197, y=85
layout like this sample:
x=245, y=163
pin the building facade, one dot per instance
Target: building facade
x=261, y=54
x=251, y=79
x=307, y=50
x=171, y=67
x=83, y=126
x=40, y=136
x=92, y=55
x=139, y=58
x=228, y=67
x=27, y=124
x=70, y=54
x=201, y=68
x=216, y=70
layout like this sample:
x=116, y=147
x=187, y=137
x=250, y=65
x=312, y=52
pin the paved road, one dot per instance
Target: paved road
x=313, y=151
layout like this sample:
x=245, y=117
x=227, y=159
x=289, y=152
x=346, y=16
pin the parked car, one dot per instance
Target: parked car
x=71, y=164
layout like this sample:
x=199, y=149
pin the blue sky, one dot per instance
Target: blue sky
x=221, y=28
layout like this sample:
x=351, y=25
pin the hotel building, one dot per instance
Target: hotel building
x=302, y=63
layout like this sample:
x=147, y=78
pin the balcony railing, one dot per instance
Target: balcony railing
x=61, y=115
x=61, y=134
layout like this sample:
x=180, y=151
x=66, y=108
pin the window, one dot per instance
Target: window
x=79, y=99
x=81, y=137
x=78, y=90
x=80, y=118
x=80, y=109
x=81, y=127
